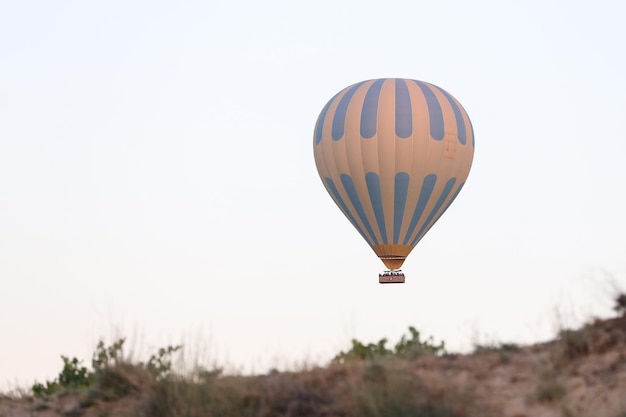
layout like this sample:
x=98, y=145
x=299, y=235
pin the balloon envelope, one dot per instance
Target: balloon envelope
x=393, y=154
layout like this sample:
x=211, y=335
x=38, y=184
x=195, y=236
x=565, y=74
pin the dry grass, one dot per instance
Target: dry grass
x=360, y=388
x=581, y=373
x=368, y=389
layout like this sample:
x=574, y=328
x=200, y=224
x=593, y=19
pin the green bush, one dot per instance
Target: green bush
x=160, y=364
x=620, y=304
x=414, y=346
x=407, y=347
x=72, y=376
x=105, y=357
x=105, y=373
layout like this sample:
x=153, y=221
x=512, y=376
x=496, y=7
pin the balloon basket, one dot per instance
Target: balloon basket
x=391, y=277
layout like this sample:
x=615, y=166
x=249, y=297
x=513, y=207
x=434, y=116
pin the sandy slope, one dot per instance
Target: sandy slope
x=582, y=374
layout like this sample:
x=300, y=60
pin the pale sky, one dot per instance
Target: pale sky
x=157, y=176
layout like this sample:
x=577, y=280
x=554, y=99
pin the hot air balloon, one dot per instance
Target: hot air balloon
x=393, y=154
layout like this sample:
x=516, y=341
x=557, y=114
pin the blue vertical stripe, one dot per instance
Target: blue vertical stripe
x=319, y=126
x=401, y=187
x=456, y=193
x=435, y=114
x=431, y=216
x=337, y=197
x=339, y=121
x=428, y=184
x=373, y=187
x=458, y=190
x=404, y=112
x=458, y=115
x=369, y=112
x=348, y=184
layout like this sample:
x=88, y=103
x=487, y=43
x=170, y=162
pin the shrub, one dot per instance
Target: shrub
x=105, y=357
x=414, y=346
x=72, y=376
x=550, y=388
x=107, y=373
x=620, y=304
x=360, y=351
x=407, y=347
x=395, y=392
x=496, y=347
x=160, y=364
x=574, y=342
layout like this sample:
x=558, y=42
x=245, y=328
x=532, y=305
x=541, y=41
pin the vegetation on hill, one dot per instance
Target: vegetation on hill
x=581, y=373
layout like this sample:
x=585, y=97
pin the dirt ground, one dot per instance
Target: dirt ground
x=583, y=373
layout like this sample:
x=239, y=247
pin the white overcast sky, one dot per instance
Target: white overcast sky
x=157, y=175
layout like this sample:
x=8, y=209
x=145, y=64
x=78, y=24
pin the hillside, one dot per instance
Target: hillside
x=581, y=373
